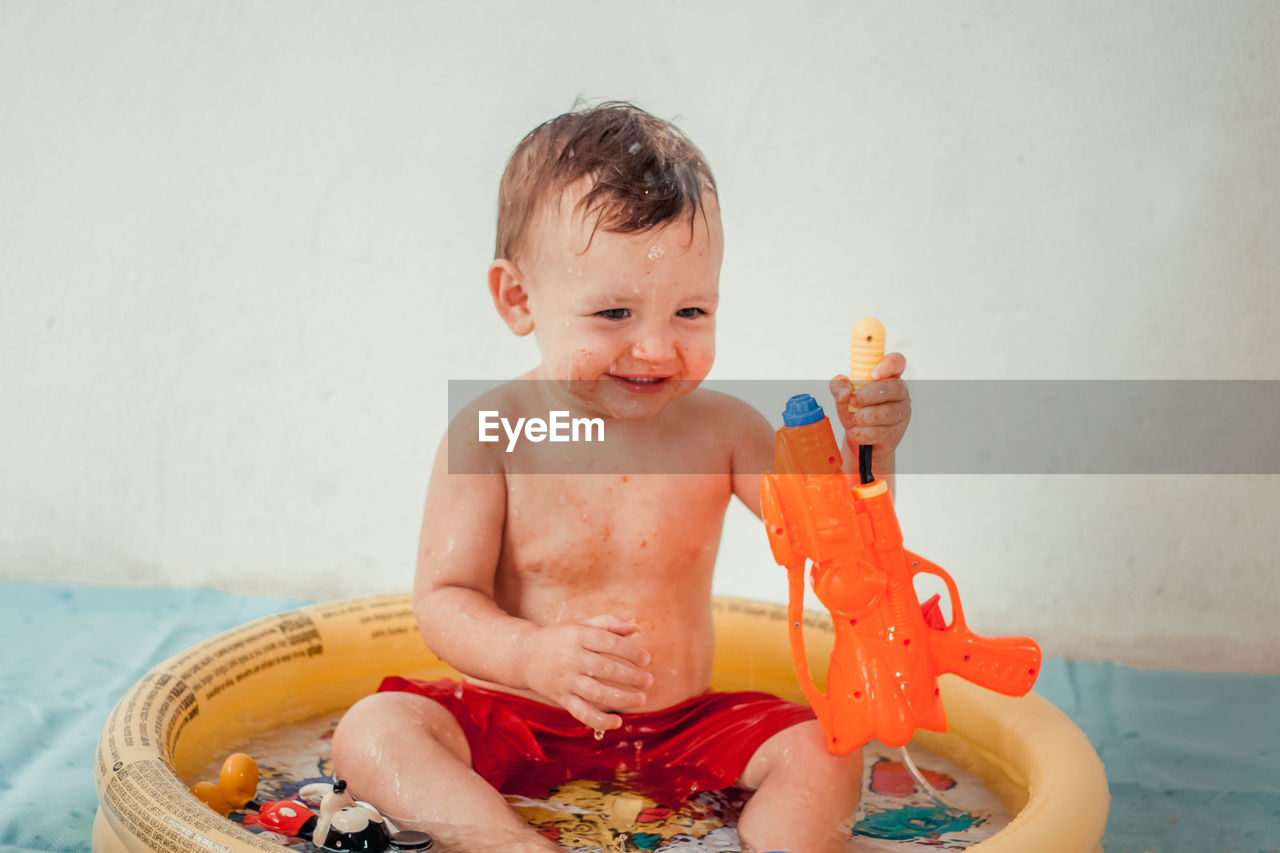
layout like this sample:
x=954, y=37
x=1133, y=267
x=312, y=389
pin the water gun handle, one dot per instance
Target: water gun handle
x=866, y=348
x=786, y=555
x=1007, y=665
x=818, y=700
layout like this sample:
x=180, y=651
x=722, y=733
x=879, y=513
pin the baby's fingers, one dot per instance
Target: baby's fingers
x=881, y=414
x=841, y=391
x=882, y=391
x=889, y=367
x=878, y=397
x=609, y=696
x=589, y=715
x=879, y=426
x=616, y=672
x=614, y=624
x=605, y=642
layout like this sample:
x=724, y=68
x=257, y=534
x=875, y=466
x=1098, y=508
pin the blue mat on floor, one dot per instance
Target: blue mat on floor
x=1191, y=757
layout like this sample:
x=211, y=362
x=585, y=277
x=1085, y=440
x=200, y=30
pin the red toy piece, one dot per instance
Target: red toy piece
x=287, y=817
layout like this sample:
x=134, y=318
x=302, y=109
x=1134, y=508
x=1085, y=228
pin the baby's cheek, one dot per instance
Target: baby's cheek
x=698, y=356
x=585, y=364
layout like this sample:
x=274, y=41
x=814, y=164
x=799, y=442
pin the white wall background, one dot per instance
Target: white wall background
x=242, y=249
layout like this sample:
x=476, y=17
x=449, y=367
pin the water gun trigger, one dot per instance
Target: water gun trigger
x=933, y=617
x=931, y=608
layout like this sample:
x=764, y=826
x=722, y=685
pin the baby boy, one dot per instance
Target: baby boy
x=578, y=605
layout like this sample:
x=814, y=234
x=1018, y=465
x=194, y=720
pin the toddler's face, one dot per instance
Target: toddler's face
x=628, y=325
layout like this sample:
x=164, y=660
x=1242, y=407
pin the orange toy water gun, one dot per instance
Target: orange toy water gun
x=889, y=649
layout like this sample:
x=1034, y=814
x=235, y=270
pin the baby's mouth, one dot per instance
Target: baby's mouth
x=641, y=384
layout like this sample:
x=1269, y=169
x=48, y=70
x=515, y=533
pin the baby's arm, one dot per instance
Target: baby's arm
x=585, y=667
x=752, y=452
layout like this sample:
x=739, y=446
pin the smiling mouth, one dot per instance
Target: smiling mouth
x=641, y=384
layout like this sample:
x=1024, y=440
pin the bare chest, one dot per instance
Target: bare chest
x=598, y=531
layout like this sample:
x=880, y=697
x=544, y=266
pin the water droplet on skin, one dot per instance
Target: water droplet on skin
x=656, y=251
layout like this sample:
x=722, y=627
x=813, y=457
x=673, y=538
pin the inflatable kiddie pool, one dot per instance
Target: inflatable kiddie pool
x=289, y=667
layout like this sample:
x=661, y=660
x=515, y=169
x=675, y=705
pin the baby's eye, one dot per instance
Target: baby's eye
x=614, y=313
x=690, y=313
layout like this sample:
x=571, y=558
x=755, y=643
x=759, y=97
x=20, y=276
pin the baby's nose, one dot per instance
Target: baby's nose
x=656, y=344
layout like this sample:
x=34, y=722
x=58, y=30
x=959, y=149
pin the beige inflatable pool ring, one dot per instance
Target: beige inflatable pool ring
x=285, y=668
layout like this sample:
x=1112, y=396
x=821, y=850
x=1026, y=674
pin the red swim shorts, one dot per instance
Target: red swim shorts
x=524, y=747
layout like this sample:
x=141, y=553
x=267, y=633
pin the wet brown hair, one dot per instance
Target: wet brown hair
x=644, y=173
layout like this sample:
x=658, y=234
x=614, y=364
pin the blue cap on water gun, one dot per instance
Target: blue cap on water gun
x=801, y=409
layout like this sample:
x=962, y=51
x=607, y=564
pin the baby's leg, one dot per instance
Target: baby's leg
x=407, y=756
x=805, y=798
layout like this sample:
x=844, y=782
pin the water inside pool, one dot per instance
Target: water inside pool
x=895, y=816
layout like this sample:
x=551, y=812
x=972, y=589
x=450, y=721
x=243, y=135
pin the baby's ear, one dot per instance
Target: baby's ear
x=506, y=286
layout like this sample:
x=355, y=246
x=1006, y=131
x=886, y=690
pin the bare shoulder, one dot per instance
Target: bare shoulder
x=732, y=423
x=461, y=447
x=745, y=431
x=726, y=413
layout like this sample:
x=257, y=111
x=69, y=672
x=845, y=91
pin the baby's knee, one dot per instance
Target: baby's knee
x=807, y=748
x=832, y=784
x=382, y=726
x=360, y=730
x=800, y=752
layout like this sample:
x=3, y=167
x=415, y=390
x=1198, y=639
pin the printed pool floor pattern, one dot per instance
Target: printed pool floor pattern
x=606, y=817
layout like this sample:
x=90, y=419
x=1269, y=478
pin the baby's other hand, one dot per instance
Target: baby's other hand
x=590, y=668
x=883, y=407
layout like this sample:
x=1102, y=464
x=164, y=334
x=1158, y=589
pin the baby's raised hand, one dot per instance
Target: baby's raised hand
x=883, y=407
x=590, y=668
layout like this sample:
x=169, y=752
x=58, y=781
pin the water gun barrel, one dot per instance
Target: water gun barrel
x=866, y=349
x=1008, y=665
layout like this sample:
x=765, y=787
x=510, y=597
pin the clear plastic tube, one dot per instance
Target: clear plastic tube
x=924, y=783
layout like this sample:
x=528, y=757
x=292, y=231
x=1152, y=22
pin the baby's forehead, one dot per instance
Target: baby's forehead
x=570, y=214
x=565, y=222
